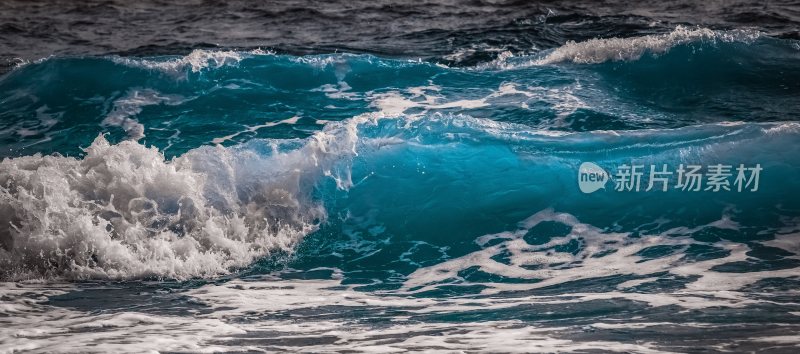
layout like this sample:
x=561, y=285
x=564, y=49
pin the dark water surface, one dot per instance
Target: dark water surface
x=451, y=32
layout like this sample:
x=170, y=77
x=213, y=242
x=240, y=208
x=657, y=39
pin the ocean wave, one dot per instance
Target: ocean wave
x=600, y=50
x=124, y=211
x=679, y=88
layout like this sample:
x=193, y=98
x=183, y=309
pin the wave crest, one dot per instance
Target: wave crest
x=595, y=51
x=124, y=211
x=196, y=61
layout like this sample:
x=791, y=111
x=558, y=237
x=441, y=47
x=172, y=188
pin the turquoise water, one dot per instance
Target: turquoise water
x=245, y=199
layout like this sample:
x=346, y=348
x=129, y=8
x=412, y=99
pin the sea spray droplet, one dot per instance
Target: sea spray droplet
x=591, y=177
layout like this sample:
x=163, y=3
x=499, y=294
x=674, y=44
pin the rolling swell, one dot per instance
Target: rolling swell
x=687, y=76
x=124, y=212
x=415, y=134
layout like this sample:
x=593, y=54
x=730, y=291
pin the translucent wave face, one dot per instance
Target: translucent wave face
x=124, y=211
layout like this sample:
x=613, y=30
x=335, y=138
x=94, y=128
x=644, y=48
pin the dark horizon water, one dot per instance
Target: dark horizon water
x=377, y=176
x=460, y=33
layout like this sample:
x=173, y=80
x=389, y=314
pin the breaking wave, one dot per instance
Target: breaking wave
x=124, y=211
x=596, y=51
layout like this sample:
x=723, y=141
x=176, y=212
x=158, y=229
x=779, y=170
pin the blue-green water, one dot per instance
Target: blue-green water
x=230, y=200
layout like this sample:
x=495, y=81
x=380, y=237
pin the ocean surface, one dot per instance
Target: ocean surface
x=379, y=177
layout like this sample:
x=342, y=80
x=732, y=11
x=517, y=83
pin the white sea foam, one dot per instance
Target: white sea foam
x=428, y=98
x=196, y=61
x=124, y=211
x=780, y=339
x=29, y=324
x=125, y=109
x=601, y=50
x=422, y=100
x=46, y=119
x=711, y=288
x=259, y=312
x=256, y=313
x=254, y=128
x=38, y=327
